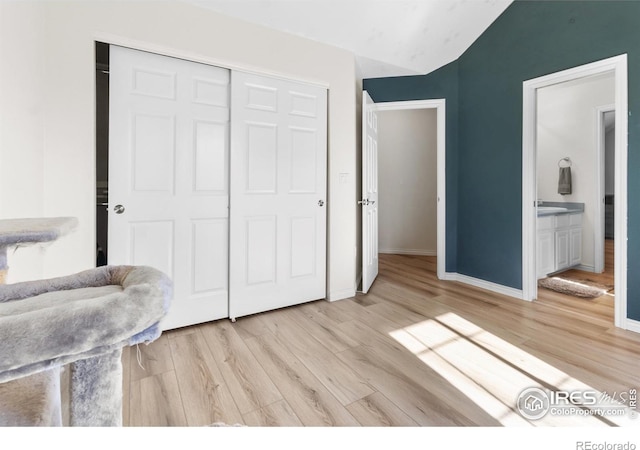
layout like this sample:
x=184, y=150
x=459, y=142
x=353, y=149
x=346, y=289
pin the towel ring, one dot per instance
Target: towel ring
x=567, y=160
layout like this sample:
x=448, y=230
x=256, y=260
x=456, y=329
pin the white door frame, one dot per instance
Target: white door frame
x=440, y=106
x=598, y=226
x=180, y=53
x=617, y=65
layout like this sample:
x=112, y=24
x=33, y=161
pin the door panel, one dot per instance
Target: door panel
x=261, y=242
x=261, y=163
x=145, y=251
x=369, y=200
x=562, y=249
x=210, y=158
x=209, y=240
x=546, y=252
x=303, y=251
x=278, y=194
x=303, y=165
x=168, y=168
x=153, y=146
x=575, y=246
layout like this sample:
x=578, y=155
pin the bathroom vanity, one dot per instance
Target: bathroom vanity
x=559, y=228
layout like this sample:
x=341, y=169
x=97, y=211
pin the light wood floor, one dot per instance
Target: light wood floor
x=604, y=278
x=415, y=351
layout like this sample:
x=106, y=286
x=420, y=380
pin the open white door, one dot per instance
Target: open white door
x=278, y=194
x=369, y=200
x=168, y=177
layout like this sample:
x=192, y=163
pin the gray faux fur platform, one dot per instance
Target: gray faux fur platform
x=21, y=232
x=82, y=320
x=28, y=231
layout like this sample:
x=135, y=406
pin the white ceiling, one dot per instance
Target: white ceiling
x=388, y=37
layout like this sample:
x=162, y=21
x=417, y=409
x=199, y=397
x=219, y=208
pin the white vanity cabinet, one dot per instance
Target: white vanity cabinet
x=568, y=233
x=546, y=246
x=559, y=242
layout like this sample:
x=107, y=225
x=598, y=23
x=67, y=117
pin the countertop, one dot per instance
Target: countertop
x=557, y=208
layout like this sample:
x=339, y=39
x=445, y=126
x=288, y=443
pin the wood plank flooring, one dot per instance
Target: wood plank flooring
x=605, y=278
x=415, y=351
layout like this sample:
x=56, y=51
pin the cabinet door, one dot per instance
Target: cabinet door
x=575, y=246
x=562, y=249
x=546, y=253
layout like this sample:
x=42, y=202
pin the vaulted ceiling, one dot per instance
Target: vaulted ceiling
x=388, y=37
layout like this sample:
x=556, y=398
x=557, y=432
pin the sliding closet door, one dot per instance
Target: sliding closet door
x=168, y=177
x=278, y=194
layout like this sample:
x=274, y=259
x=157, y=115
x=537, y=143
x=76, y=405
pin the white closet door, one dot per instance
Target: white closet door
x=278, y=194
x=168, y=177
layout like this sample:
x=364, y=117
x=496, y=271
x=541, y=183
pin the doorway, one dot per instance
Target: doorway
x=439, y=105
x=618, y=67
x=407, y=173
x=568, y=141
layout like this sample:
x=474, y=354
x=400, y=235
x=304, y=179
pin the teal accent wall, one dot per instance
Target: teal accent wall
x=530, y=39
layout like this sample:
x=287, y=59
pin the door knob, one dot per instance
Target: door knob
x=320, y=203
x=119, y=209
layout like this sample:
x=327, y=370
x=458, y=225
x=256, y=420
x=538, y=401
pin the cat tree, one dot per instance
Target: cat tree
x=82, y=322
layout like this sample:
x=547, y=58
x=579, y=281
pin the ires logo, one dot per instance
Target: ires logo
x=534, y=403
x=578, y=398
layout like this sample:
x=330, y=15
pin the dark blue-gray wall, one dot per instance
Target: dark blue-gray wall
x=483, y=89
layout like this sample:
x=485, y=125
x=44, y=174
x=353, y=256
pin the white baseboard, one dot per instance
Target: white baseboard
x=340, y=295
x=483, y=284
x=407, y=251
x=632, y=325
x=586, y=268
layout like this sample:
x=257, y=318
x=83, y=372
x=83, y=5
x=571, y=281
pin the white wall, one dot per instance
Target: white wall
x=609, y=160
x=567, y=126
x=176, y=29
x=407, y=180
x=21, y=125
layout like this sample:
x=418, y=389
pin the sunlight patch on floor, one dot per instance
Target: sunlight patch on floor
x=492, y=372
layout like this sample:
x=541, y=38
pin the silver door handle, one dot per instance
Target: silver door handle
x=119, y=209
x=366, y=202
